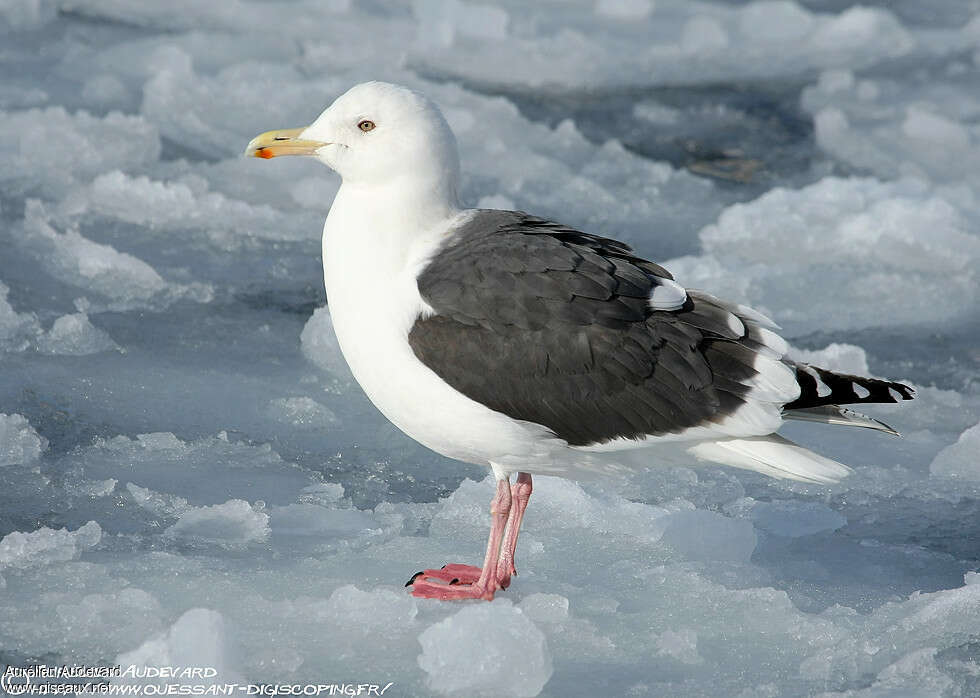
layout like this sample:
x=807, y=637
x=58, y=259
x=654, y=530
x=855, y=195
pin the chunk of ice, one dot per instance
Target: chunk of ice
x=880, y=253
x=199, y=638
x=45, y=546
x=961, y=460
x=234, y=524
x=75, y=335
x=510, y=657
x=186, y=203
x=121, y=280
x=163, y=505
x=368, y=612
x=301, y=412
x=18, y=331
x=845, y=358
x=319, y=344
x=19, y=442
x=52, y=149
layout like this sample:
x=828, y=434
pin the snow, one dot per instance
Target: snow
x=189, y=473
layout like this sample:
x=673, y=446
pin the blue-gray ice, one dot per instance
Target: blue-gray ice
x=188, y=474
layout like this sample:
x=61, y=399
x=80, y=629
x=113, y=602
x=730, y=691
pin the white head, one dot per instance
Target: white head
x=375, y=135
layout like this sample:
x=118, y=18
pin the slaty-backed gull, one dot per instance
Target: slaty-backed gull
x=503, y=339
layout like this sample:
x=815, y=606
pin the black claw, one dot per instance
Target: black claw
x=415, y=576
x=443, y=567
x=455, y=581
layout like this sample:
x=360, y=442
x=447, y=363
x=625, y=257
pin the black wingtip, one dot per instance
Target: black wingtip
x=819, y=387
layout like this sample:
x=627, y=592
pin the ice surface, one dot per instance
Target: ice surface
x=17, y=330
x=45, y=546
x=188, y=472
x=837, y=356
x=923, y=126
x=52, y=148
x=118, y=279
x=678, y=42
x=199, y=638
x=319, y=345
x=880, y=253
x=75, y=335
x=681, y=645
x=25, y=14
x=234, y=524
x=960, y=460
x=301, y=411
x=19, y=442
x=788, y=518
x=71, y=334
x=705, y=535
x=176, y=206
x=509, y=657
x=369, y=612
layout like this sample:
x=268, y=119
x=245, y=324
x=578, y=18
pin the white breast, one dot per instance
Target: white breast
x=370, y=275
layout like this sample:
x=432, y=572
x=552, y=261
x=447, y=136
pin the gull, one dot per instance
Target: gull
x=524, y=345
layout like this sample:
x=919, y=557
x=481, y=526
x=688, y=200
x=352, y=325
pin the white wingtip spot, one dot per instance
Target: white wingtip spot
x=823, y=390
x=667, y=295
x=896, y=396
x=861, y=391
x=735, y=325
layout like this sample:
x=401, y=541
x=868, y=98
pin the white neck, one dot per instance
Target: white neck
x=376, y=235
x=389, y=218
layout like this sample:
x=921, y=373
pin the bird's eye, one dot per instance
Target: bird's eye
x=366, y=126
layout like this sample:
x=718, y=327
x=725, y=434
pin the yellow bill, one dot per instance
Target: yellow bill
x=282, y=142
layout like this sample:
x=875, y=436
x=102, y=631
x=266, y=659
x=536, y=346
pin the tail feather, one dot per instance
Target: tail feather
x=772, y=455
x=835, y=414
x=820, y=387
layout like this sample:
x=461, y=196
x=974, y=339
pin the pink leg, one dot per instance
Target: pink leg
x=520, y=494
x=467, y=574
x=484, y=586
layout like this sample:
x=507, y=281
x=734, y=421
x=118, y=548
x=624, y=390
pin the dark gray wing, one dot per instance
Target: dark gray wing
x=554, y=326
